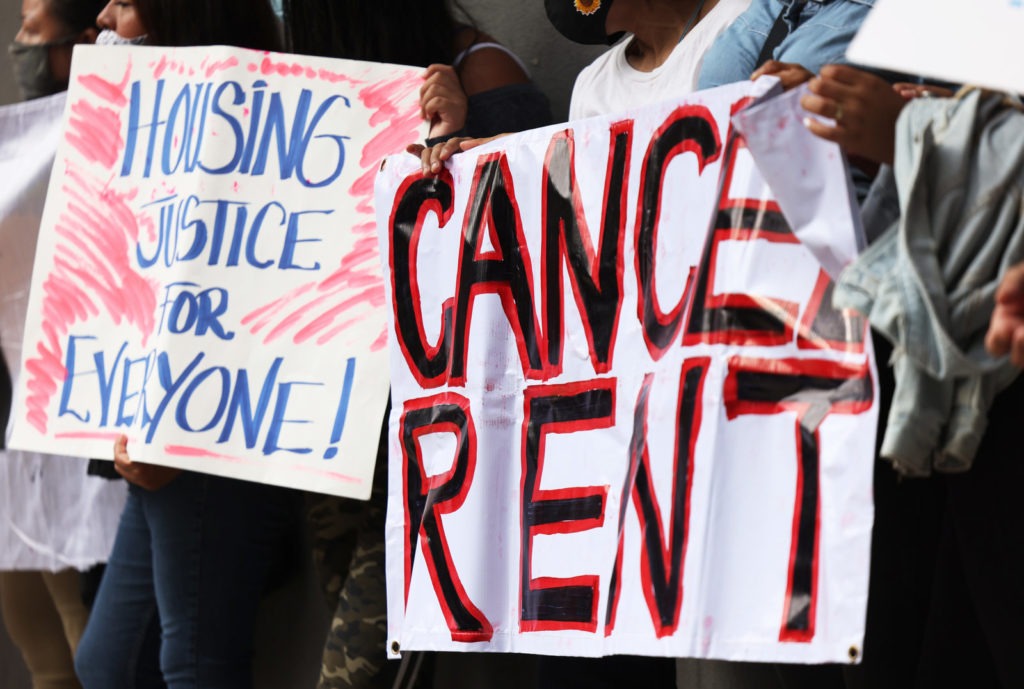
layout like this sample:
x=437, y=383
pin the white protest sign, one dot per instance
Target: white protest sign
x=626, y=419
x=207, y=280
x=52, y=515
x=976, y=42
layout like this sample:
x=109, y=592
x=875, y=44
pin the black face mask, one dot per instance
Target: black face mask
x=581, y=21
x=32, y=68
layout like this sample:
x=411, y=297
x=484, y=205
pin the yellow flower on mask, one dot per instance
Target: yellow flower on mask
x=587, y=6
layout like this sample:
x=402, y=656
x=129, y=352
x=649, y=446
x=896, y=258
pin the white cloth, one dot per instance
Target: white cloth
x=609, y=84
x=52, y=516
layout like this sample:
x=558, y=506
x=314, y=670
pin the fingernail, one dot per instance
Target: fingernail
x=807, y=122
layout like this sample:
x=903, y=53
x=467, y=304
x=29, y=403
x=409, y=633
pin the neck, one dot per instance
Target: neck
x=657, y=29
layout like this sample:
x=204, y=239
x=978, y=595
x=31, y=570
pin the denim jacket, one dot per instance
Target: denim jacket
x=819, y=35
x=928, y=283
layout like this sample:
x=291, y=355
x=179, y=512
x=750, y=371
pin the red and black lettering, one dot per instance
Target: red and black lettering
x=740, y=319
x=813, y=390
x=596, y=276
x=662, y=565
x=505, y=271
x=550, y=603
x=429, y=497
x=688, y=129
x=415, y=199
x=826, y=327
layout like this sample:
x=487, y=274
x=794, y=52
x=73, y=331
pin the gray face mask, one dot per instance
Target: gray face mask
x=32, y=68
x=108, y=37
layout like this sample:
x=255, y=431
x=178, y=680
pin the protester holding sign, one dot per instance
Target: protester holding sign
x=53, y=518
x=193, y=551
x=472, y=86
x=927, y=285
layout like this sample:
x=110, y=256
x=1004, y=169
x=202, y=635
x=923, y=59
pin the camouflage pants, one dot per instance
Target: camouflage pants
x=348, y=550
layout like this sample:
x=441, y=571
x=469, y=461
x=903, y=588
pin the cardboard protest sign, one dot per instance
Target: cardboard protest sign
x=626, y=418
x=974, y=43
x=207, y=280
x=52, y=515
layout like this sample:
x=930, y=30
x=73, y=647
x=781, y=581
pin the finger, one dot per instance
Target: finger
x=435, y=158
x=1011, y=287
x=415, y=149
x=450, y=148
x=1000, y=333
x=121, y=446
x=1017, y=350
x=846, y=75
x=437, y=106
x=469, y=144
x=770, y=67
x=425, y=156
x=825, y=107
x=829, y=88
x=794, y=77
x=824, y=131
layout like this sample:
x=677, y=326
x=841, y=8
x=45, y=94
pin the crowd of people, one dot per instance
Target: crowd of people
x=194, y=553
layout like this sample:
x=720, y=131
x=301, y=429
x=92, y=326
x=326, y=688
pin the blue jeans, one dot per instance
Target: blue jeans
x=818, y=37
x=178, y=601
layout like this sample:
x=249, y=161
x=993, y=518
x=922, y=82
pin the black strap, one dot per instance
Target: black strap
x=5, y=399
x=780, y=29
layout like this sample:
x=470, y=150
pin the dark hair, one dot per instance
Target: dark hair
x=408, y=32
x=76, y=15
x=242, y=23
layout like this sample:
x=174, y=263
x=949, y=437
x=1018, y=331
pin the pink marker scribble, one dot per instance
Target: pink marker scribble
x=91, y=272
x=90, y=435
x=94, y=130
x=283, y=68
x=356, y=285
x=107, y=91
x=219, y=66
x=186, y=451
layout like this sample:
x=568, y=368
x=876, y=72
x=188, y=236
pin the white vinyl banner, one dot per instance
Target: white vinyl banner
x=207, y=280
x=52, y=515
x=626, y=418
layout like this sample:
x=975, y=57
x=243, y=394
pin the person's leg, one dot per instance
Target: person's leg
x=213, y=544
x=354, y=653
x=118, y=648
x=35, y=627
x=987, y=515
x=67, y=598
x=908, y=519
x=333, y=528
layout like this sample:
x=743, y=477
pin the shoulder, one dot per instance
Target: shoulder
x=485, y=64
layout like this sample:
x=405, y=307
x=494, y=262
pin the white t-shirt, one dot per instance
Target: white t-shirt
x=610, y=84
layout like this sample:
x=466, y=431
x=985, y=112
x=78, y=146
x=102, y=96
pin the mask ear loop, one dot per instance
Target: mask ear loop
x=693, y=20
